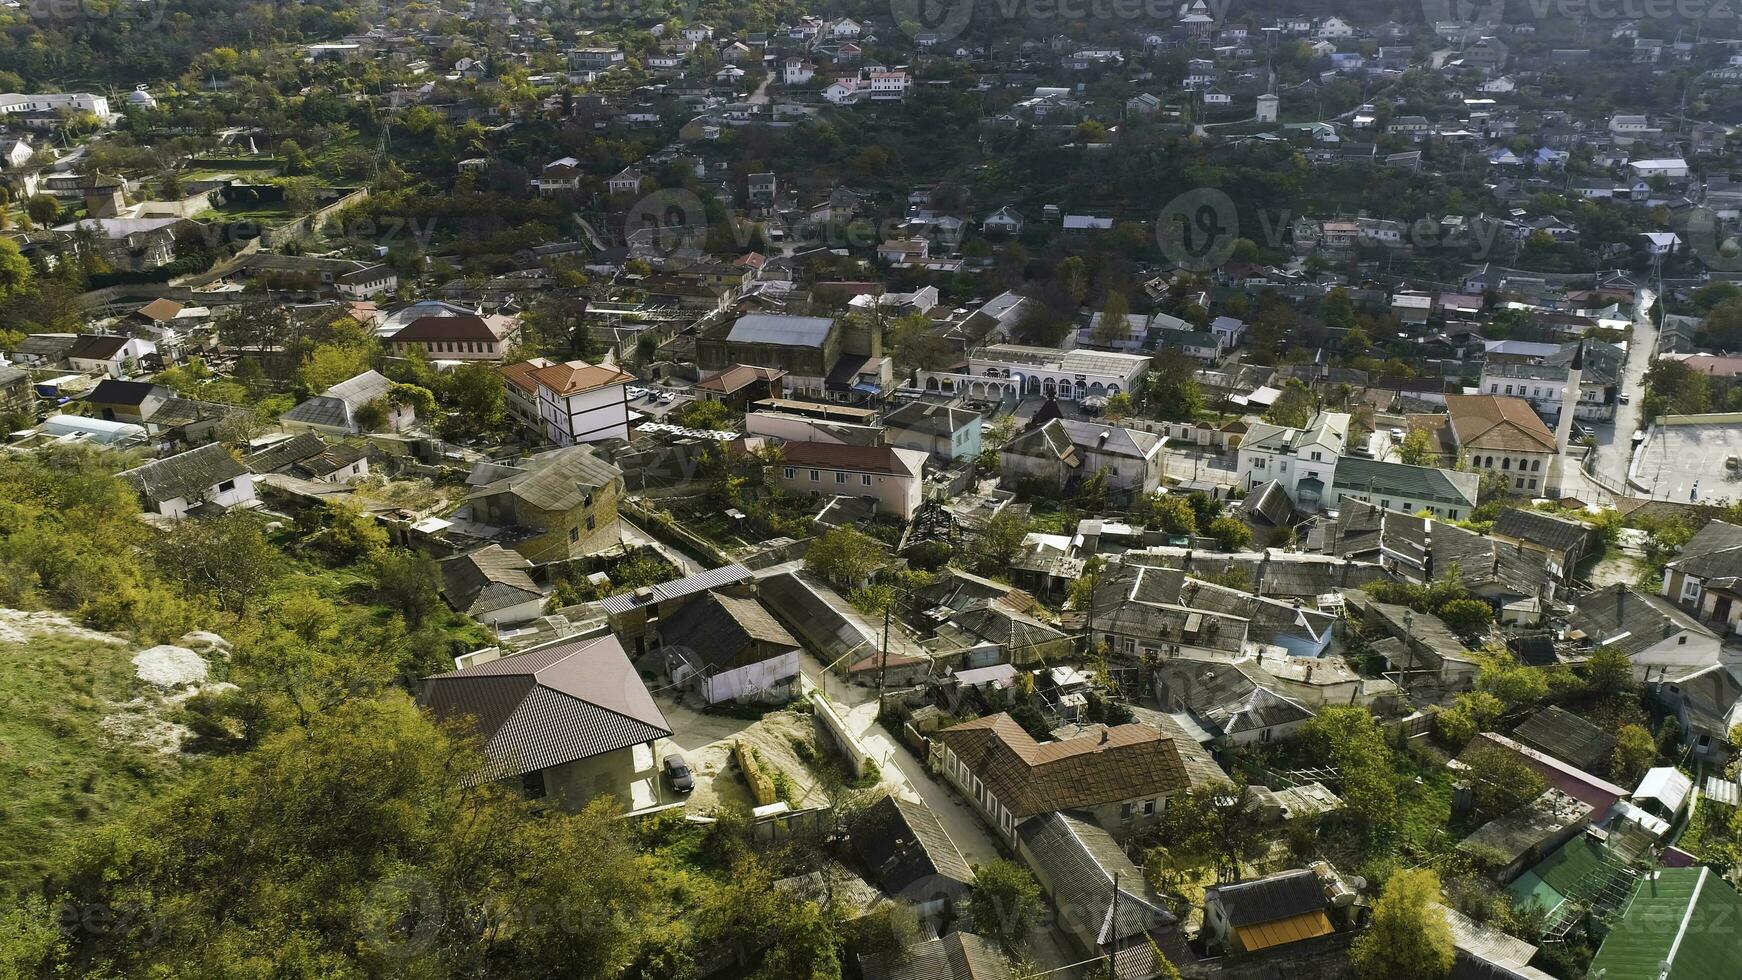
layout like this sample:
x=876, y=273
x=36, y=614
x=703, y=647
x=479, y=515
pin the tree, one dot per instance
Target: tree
x=1609, y=672
x=16, y=275
x=1172, y=388
x=918, y=346
x=409, y=582
x=1500, y=781
x=227, y=558
x=998, y=543
x=1409, y=935
x=1118, y=406
x=373, y=414
x=43, y=209
x=328, y=364
x=349, y=534
x=1173, y=513
x=1293, y=407
x=1006, y=900
x=476, y=398
x=704, y=414
x=844, y=556
x=1218, y=827
x=1417, y=448
x=1515, y=684
x=1230, y=532
x=1466, y=617
x=354, y=846
x=1349, y=738
x=1111, y=327
x=1635, y=751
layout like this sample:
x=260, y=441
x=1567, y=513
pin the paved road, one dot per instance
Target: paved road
x=1615, y=442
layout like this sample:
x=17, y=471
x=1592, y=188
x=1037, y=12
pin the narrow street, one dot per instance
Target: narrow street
x=1615, y=442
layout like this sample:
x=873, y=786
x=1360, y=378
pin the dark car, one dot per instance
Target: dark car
x=678, y=771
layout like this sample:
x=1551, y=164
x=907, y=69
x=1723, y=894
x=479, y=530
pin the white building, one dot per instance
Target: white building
x=14, y=102
x=580, y=402
x=892, y=478
x=1015, y=370
x=1303, y=460
x=207, y=477
x=888, y=84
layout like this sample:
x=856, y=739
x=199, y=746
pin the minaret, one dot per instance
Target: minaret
x=1569, y=399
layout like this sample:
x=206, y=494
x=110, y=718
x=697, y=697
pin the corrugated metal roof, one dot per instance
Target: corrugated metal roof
x=571, y=700
x=713, y=578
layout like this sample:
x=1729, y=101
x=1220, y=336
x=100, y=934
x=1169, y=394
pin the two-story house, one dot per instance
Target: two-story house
x=1304, y=460
x=581, y=402
x=466, y=337
x=894, y=479
x=944, y=431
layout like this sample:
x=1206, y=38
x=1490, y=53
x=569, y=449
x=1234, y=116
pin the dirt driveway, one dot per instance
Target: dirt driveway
x=706, y=743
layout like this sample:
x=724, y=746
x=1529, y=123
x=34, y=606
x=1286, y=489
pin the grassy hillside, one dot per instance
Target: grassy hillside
x=63, y=771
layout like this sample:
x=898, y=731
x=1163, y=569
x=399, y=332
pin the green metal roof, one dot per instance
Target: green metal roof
x=1686, y=916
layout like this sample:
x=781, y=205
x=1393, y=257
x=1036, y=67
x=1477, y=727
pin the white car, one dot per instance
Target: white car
x=636, y=391
x=666, y=398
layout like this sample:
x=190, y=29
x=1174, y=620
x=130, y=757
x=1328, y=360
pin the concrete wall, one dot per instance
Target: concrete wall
x=835, y=727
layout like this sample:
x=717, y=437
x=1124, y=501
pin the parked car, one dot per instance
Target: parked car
x=678, y=771
x=1626, y=398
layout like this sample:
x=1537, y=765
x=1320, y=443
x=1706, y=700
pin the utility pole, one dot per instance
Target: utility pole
x=1113, y=919
x=883, y=654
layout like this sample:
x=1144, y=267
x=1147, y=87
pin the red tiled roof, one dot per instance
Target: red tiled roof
x=465, y=327
x=574, y=377
x=861, y=459
x=1103, y=766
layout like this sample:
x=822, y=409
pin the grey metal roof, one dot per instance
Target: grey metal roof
x=1402, y=480
x=486, y=580
x=713, y=578
x=321, y=410
x=1565, y=736
x=789, y=331
x=187, y=476
x=1080, y=859
x=1279, y=896
x=903, y=844
x=571, y=700
x=1557, y=533
x=957, y=956
x=557, y=480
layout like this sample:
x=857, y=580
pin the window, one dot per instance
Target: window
x=1451, y=515
x=1506, y=463
x=532, y=785
x=1493, y=388
x=574, y=534
x=790, y=472
x=1520, y=484
x=1533, y=484
x=1509, y=389
x=1386, y=504
x=1318, y=457
x=591, y=523
x=1536, y=466
x=1125, y=811
x=226, y=486
x=1149, y=808
x=814, y=476
x=865, y=479
x=840, y=477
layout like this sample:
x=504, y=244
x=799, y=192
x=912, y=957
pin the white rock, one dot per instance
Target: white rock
x=169, y=666
x=206, y=642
